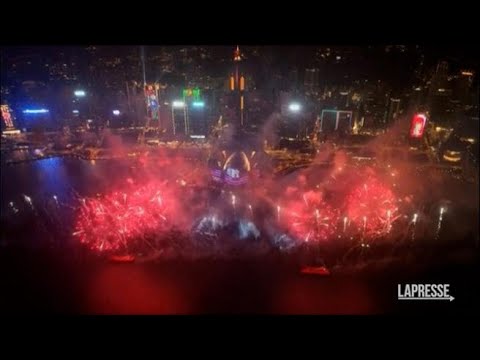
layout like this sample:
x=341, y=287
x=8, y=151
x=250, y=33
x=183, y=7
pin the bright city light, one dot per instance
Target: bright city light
x=35, y=111
x=79, y=93
x=178, y=104
x=470, y=140
x=452, y=156
x=11, y=132
x=198, y=104
x=294, y=107
x=418, y=125
x=116, y=112
x=75, y=111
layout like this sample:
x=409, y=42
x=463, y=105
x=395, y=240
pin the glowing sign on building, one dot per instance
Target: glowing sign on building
x=6, y=116
x=418, y=125
x=151, y=96
x=195, y=93
x=178, y=104
x=198, y=104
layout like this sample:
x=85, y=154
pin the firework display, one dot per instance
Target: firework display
x=159, y=212
x=118, y=220
x=372, y=207
x=310, y=218
x=140, y=214
x=123, y=221
x=297, y=179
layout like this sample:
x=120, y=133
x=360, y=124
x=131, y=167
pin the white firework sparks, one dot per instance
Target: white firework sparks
x=440, y=219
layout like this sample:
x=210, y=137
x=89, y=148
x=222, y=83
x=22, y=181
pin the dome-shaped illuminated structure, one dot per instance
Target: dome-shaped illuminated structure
x=238, y=160
x=236, y=169
x=237, y=157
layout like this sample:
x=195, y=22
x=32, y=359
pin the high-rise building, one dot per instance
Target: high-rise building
x=180, y=124
x=440, y=106
x=237, y=87
x=463, y=85
x=293, y=79
x=373, y=106
x=439, y=100
x=196, y=112
x=393, y=110
x=419, y=69
x=336, y=121
x=344, y=99
x=197, y=118
x=6, y=117
x=439, y=79
x=311, y=82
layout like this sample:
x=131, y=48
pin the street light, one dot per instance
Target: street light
x=116, y=112
x=79, y=93
x=294, y=107
x=178, y=104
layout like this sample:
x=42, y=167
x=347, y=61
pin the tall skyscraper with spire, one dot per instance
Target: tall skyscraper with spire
x=237, y=85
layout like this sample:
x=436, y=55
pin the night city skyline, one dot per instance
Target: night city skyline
x=174, y=179
x=273, y=71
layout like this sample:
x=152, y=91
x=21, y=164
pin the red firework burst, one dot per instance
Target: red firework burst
x=119, y=219
x=373, y=207
x=310, y=218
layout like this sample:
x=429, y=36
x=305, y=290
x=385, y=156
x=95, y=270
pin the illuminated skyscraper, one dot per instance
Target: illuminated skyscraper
x=6, y=117
x=237, y=85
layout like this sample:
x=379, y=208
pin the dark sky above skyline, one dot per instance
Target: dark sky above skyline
x=360, y=61
x=290, y=53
